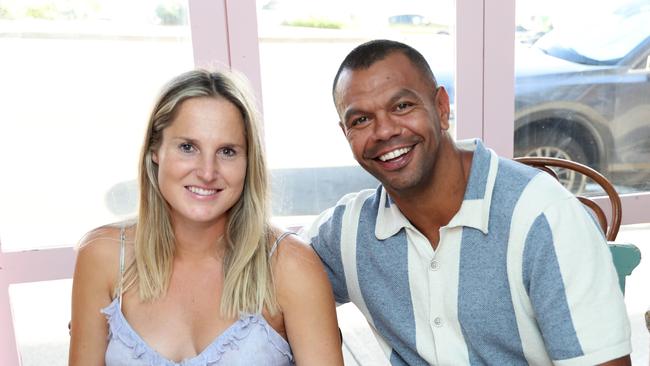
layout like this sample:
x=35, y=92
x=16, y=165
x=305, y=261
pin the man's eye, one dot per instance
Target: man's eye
x=402, y=106
x=359, y=120
x=185, y=147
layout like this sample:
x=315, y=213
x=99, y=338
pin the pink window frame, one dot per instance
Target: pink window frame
x=224, y=33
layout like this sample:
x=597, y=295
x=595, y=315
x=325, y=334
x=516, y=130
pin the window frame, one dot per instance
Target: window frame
x=223, y=34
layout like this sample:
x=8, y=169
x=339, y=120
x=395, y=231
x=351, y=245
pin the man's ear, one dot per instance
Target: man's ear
x=442, y=107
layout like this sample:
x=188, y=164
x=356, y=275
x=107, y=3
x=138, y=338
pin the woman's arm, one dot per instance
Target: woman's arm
x=95, y=273
x=305, y=297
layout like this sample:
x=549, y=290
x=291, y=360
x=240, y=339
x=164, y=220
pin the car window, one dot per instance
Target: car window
x=610, y=38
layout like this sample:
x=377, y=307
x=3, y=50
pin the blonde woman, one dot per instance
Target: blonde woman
x=201, y=278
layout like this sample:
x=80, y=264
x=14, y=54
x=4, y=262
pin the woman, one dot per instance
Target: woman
x=201, y=278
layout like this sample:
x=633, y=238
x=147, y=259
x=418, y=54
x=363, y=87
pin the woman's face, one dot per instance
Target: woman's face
x=202, y=161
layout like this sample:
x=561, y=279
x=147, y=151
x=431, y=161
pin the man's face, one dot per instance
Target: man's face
x=393, y=118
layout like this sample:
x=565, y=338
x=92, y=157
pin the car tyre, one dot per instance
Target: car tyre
x=553, y=143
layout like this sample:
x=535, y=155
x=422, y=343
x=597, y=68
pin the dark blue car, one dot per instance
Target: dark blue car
x=584, y=94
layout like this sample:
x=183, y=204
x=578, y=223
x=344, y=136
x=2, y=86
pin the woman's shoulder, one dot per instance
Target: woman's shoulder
x=107, y=237
x=290, y=248
x=295, y=264
x=99, y=249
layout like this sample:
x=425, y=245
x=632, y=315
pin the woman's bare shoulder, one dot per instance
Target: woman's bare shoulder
x=292, y=250
x=107, y=235
x=99, y=250
x=296, y=264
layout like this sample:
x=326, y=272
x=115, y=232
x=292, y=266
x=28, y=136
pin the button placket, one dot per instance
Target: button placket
x=437, y=322
x=434, y=264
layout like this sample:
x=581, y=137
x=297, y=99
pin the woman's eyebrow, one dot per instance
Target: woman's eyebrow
x=186, y=139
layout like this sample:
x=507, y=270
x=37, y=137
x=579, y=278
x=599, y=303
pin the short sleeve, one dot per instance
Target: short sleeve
x=324, y=235
x=572, y=284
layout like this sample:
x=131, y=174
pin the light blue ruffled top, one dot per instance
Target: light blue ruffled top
x=248, y=341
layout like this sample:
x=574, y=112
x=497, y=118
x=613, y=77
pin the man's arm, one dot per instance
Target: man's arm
x=572, y=284
x=623, y=361
x=324, y=235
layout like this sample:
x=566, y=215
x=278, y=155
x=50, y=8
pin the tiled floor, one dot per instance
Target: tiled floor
x=43, y=334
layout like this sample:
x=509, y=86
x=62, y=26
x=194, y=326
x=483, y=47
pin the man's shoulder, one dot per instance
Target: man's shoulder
x=359, y=197
x=332, y=219
x=353, y=203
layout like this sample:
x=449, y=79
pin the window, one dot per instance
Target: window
x=582, y=90
x=302, y=44
x=78, y=81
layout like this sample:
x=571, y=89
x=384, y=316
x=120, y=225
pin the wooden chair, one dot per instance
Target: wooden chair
x=626, y=256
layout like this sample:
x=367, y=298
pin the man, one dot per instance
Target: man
x=460, y=257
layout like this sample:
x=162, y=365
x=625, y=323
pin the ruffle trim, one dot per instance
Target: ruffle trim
x=120, y=330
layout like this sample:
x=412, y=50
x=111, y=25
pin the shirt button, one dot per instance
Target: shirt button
x=437, y=321
x=434, y=265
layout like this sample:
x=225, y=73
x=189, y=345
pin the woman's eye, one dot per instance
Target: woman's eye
x=228, y=152
x=186, y=148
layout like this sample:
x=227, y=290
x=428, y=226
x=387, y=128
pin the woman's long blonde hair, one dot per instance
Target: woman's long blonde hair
x=248, y=285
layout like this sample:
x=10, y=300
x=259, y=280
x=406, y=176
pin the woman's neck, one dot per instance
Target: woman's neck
x=195, y=241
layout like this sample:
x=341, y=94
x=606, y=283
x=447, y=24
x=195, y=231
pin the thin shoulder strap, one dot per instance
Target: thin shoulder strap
x=278, y=240
x=122, y=245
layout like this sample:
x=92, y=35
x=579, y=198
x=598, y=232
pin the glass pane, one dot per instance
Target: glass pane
x=78, y=81
x=637, y=296
x=302, y=44
x=41, y=312
x=583, y=87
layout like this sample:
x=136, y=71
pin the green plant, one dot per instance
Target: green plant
x=314, y=23
x=45, y=11
x=171, y=13
x=5, y=13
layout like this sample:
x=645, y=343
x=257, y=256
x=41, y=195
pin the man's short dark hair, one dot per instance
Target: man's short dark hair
x=366, y=54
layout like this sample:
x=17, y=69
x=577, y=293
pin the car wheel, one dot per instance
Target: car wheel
x=555, y=144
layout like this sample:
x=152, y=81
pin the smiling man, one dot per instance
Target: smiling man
x=459, y=256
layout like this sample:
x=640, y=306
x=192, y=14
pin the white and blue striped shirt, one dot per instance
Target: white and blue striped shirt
x=526, y=280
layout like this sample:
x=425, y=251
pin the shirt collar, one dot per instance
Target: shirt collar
x=474, y=211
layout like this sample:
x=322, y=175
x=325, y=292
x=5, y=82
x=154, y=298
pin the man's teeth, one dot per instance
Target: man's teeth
x=394, y=154
x=201, y=191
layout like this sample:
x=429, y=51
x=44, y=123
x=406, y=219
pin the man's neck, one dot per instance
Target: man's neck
x=433, y=206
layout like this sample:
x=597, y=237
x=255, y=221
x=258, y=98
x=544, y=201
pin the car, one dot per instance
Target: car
x=583, y=93
x=408, y=19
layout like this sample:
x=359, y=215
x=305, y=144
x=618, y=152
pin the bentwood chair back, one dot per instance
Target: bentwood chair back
x=625, y=256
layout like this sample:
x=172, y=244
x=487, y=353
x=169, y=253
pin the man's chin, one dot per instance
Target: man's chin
x=398, y=184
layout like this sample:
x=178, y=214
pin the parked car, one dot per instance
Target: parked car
x=584, y=94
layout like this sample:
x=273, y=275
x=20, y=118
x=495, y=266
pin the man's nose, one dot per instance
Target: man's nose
x=385, y=127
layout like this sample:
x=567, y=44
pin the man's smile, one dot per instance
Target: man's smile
x=395, y=153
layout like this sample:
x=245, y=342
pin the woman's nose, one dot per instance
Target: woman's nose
x=208, y=168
